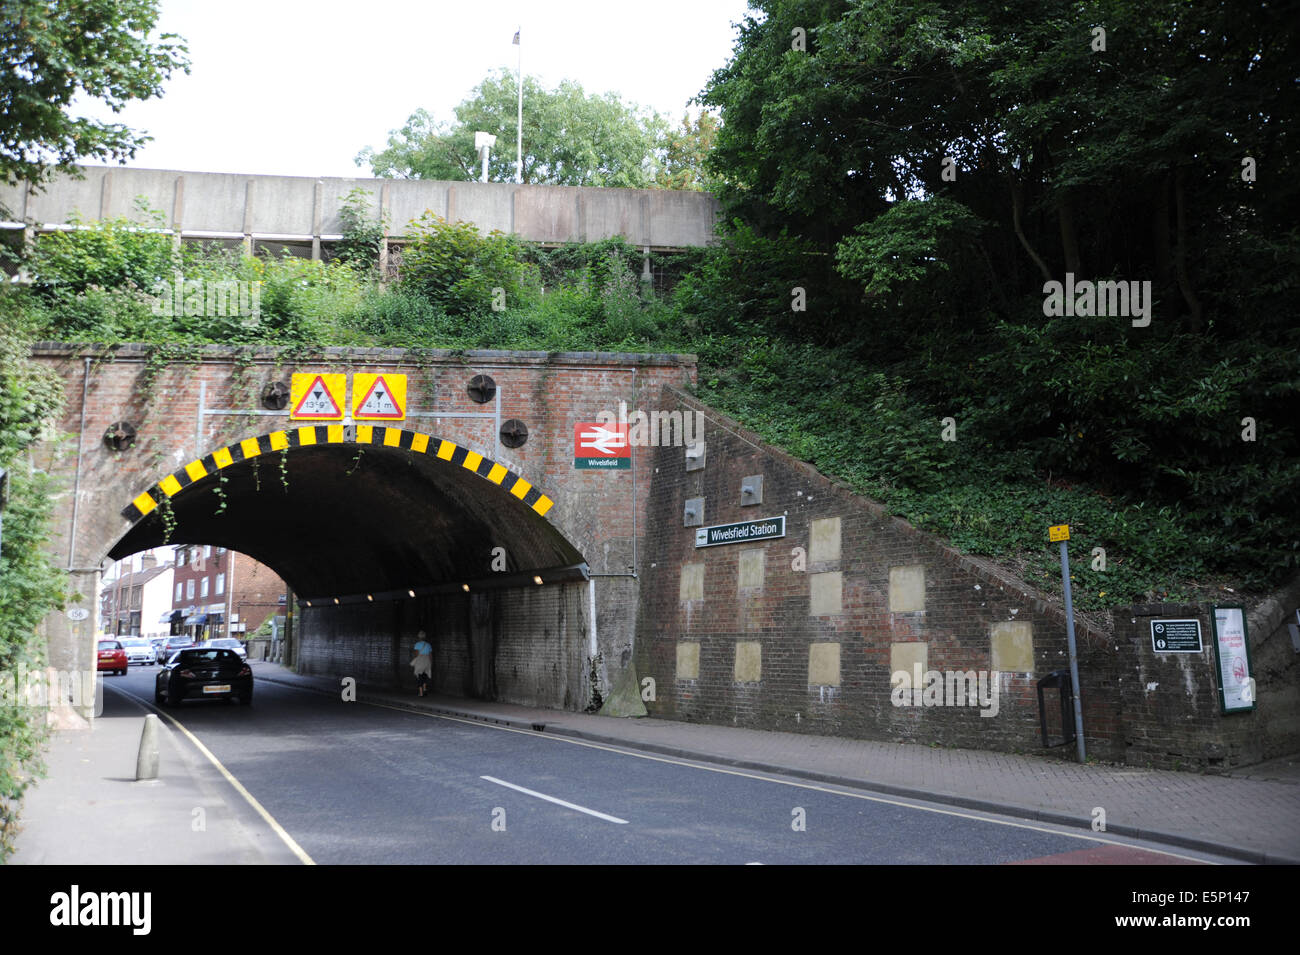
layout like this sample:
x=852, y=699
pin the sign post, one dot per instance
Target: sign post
x=1061, y=532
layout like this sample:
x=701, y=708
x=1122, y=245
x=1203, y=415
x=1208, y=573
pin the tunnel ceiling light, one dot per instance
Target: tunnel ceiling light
x=336, y=600
x=465, y=587
x=370, y=597
x=411, y=592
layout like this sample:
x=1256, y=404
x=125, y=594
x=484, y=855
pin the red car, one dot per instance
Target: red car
x=112, y=656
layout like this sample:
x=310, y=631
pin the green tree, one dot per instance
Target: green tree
x=51, y=53
x=571, y=138
x=684, y=152
x=952, y=157
x=462, y=272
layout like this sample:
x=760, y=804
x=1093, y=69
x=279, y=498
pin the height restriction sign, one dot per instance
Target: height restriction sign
x=316, y=396
x=378, y=397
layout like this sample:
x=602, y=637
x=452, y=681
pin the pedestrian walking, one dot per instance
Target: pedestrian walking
x=422, y=662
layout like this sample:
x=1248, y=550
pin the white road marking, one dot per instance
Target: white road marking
x=278, y=829
x=969, y=814
x=558, y=802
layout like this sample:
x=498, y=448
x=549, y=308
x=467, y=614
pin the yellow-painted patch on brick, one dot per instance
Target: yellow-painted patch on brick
x=543, y=505
x=279, y=440
x=144, y=503
x=688, y=661
x=250, y=448
x=306, y=436
x=169, y=485
x=824, y=664
x=445, y=450
x=393, y=437
x=472, y=461
x=196, y=470
x=521, y=489
x=223, y=457
x=334, y=433
x=497, y=474
x=420, y=443
x=365, y=433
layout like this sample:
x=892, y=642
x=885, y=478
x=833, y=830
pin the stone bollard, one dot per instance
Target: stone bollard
x=146, y=762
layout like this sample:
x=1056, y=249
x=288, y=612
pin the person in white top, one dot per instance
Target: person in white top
x=422, y=662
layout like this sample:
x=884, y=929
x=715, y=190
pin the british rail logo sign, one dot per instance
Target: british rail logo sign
x=601, y=447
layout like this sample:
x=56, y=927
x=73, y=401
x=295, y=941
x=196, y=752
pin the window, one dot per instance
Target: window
x=207, y=550
x=203, y=591
x=180, y=556
x=180, y=591
x=221, y=550
x=221, y=584
x=189, y=589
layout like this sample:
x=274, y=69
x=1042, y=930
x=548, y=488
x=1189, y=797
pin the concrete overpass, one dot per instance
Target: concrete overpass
x=301, y=213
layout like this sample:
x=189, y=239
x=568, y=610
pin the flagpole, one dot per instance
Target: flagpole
x=519, y=137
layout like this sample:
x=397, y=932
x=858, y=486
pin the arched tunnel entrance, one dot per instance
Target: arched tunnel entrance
x=384, y=532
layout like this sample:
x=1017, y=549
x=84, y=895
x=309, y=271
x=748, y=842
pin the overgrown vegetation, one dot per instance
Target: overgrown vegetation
x=30, y=585
x=882, y=269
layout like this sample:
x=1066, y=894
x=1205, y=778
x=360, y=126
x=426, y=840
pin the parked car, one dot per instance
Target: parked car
x=170, y=646
x=112, y=656
x=204, y=673
x=139, y=651
x=229, y=643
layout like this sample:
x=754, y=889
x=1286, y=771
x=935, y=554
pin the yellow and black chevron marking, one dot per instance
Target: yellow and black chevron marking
x=210, y=464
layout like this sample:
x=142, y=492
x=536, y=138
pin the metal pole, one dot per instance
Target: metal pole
x=1074, y=653
x=286, y=644
x=519, y=138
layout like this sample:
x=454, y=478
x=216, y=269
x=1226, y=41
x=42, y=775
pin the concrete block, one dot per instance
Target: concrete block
x=824, y=664
x=752, y=564
x=749, y=662
x=1013, y=646
x=692, y=582
x=906, y=656
x=824, y=540
x=907, y=588
x=688, y=661
x=826, y=593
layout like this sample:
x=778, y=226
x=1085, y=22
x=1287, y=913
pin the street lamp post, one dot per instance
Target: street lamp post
x=519, y=137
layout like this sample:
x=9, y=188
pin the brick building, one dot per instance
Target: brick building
x=218, y=592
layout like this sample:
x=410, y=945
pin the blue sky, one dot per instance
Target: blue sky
x=298, y=87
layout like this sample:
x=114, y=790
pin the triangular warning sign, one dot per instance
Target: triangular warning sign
x=317, y=402
x=379, y=402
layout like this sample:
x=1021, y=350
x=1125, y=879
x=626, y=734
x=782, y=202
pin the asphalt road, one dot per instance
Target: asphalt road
x=363, y=783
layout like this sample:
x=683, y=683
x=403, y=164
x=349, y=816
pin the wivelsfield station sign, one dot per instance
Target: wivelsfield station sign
x=764, y=528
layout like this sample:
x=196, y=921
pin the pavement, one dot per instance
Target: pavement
x=1252, y=815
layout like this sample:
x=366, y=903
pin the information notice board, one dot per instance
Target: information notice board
x=1232, y=654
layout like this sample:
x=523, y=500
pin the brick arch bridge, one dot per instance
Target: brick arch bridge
x=381, y=530
x=387, y=530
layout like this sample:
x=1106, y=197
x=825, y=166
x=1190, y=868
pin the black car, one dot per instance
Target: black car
x=202, y=673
